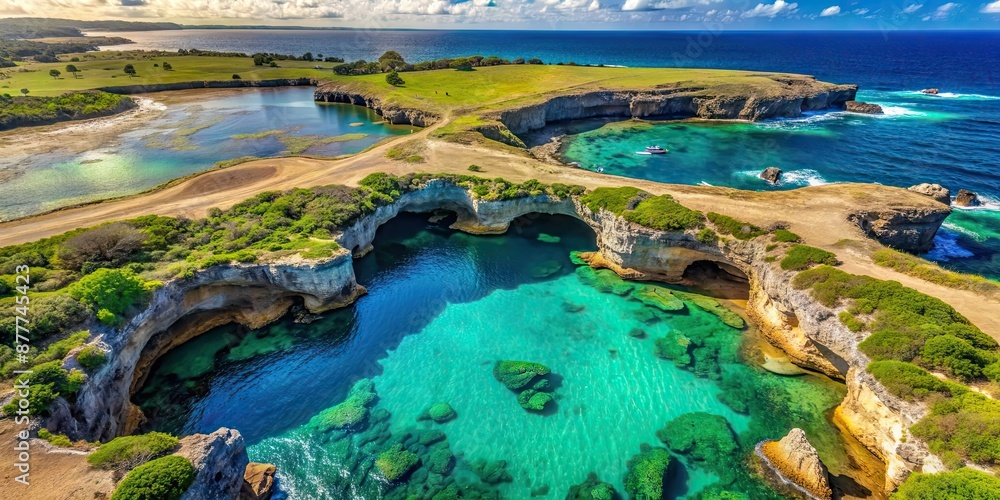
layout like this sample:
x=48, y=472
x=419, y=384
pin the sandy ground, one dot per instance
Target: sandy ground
x=818, y=214
x=56, y=473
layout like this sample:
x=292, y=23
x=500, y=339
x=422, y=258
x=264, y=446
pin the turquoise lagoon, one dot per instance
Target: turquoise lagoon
x=939, y=139
x=442, y=308
x=184, y=139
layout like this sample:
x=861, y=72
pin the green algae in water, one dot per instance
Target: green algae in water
x=431, y=330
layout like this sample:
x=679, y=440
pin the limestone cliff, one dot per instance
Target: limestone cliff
x=219, y=460
x=794, y=460
x=253, y=295
x=397, y=115
x=903, y=228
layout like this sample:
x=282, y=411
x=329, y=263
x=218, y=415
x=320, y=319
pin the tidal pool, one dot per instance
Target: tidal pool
x=443, y=307
x=178, y=139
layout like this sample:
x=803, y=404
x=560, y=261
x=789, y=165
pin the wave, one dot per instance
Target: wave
x=952, y=95
x=986, y=202
x=803, y=177
x=946, y=246
x=808, y=118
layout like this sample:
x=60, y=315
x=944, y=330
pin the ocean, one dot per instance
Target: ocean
x=952, y=138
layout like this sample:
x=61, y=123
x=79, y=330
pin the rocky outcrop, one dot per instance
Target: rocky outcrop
x=252, y=295
x=258, y=481
x=795, y=460
x=771, y=174
x=27, y=120
x=219, y=460
x=397, y=115
x=863, y=107
x=907, y=229
x=931, y=91
x=209, y=84
x=936, y=191
x=966, y=198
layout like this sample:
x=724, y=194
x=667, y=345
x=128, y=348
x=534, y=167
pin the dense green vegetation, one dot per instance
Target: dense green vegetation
x=56, y=439
x=929, y=271
x=19, y=111
x=909, y=330
x=166, y=478
x=43, y=27
x=635, y=205
x=786, y=236
x=736, y=228
x=47, y=382
x=391, y=62
x=127, y=452
x=111, y=292
x=647, y=474
x=963, y=484
x=803, y=256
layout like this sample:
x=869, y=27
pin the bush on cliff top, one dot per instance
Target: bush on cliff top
x=963, y=484
x=803, y=256
x=910, y=382
x=615, y=200
x=127, y=452
x=165, y=478
x=635, y=205
x=964, y=427
x=737, y=228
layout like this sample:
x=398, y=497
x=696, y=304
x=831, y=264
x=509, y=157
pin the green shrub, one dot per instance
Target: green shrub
x=115, y=290
x=963, y=484
x=786, y=236
x=615, y=200
x=58, y=350
x=708, y=236
x=665, y=214
x=48, y=315
x=91, y=357
x=55, y=439
x=475, y=168
x=955, y=355
x=47, y=382
x=127, y=452
x=910, y=382
x=929, y=271
x=166, y=478
x=967, y=425
x=738, y=229
x=802, y=257
x=853, y=324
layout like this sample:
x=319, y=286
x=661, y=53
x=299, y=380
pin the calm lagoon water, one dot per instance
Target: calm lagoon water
x=442, y=308
x=185, y=139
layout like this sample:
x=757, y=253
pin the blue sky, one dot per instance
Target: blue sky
x=538, y=14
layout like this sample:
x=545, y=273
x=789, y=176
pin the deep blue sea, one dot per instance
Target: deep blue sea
x=952, y=139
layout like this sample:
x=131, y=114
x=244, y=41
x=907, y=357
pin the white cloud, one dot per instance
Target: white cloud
x=860, y=12
x=991, y=8
x=639, y=5
x=834, y=10
x=771, y=10
x=915, y=7
x=942, y=12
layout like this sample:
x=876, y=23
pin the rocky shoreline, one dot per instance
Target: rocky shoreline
x=254, y=295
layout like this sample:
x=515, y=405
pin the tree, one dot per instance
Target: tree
x=25, y=91
x=237, y=77
x=54, y=73
x=109, y=245
x=71, y=69
x=130, y=70
x=391, y=60
x=394, y=79
x=167, y=66
x=258, y=59
x=308, y=56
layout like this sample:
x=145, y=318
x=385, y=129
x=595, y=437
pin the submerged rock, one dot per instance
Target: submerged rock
x=604, y=280
x=348, y=414
x=546, y=269
x=795, y=460
x=517, y=374
x=591, y=489
x=491, y=472
x=713, y=306
x=647, y=472
x=863, y=107
x=393, y=464
x=438, y=412
x=771, y=174
x=258, y=481
x=705, y=439
x=967, y=198
x=936, y=191
x=658, y=297
x=531, y=399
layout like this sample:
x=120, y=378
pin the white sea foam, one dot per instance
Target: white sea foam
x=955, y=228
x=946, y=247
x=987, y=202
x=804, y=177
x=952, y=95
x=703, y=183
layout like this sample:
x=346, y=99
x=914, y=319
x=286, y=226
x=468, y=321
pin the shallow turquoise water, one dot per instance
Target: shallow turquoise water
x=942, y=139
x=186, y=139
x=442, y=308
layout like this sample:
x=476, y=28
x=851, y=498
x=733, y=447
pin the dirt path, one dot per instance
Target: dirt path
x=56, y=473
x=818, y=214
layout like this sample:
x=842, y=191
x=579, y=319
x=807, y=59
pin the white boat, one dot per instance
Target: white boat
x=655, y=150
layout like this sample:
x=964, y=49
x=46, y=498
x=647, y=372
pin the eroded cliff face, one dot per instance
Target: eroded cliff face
x=904, y=228
x=397, y=115
x=253, y=295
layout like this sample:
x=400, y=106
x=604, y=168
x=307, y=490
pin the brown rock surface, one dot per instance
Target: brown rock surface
x=967, y=198
x=771, y=174
x=936, y=191
x=795, y=459
x=863, y=107
x=258, y=481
